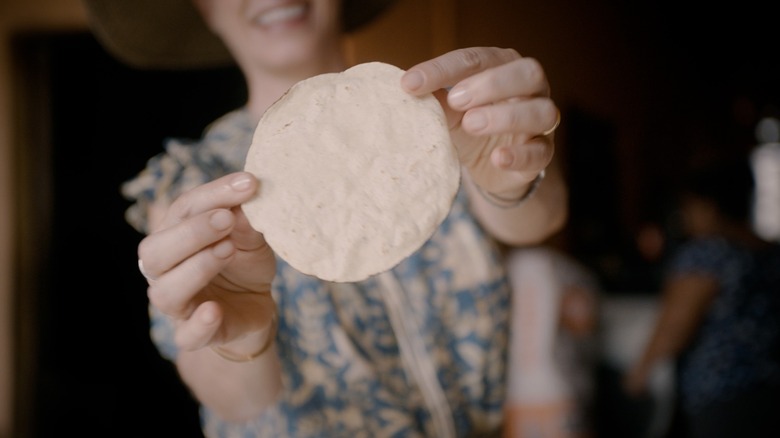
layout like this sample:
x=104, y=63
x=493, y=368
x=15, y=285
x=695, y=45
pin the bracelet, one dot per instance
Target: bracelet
x=233, y=357
x=502, y=202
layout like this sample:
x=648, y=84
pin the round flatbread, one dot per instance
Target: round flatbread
x=355, y=174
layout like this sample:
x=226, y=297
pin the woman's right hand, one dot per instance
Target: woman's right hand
x=208, y=270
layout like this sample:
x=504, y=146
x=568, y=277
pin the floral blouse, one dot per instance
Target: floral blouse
x=417, y=351
x=738, y=344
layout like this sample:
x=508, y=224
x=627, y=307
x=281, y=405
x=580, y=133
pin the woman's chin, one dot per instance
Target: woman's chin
x=294, y=56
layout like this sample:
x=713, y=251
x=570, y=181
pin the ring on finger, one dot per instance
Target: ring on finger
x=555, y=125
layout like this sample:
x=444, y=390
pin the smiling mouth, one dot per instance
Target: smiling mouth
x=282, y=15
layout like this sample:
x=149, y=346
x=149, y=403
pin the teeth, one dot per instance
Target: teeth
x=281, y=14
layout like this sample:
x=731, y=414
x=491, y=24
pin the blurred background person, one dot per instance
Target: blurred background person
x=719, y=319
x=552, y=351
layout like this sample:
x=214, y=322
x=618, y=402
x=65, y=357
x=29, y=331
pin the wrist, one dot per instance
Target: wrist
x=506, y=202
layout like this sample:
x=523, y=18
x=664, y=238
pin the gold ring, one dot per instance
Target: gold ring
x=555, y=125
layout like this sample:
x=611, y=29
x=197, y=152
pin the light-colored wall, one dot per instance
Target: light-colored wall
x=17, y=16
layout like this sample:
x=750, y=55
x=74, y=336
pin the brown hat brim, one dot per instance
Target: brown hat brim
x=171, y=34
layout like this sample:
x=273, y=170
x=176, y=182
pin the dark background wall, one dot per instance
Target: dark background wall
x=88, y=366
x=647, y=89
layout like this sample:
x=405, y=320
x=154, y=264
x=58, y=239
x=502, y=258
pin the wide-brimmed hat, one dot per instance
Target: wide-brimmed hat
x=171, y=34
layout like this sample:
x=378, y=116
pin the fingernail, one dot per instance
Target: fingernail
x=221, y=220
x=475, y=121
x=241, y=182
x=412, y=80
x=459, y=97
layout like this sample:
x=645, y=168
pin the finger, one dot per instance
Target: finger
x=531, y=117
x=447, y=70
x=453, y=116
x=527, y=158
x=225, y=192
x=163, y=250
x=521, y=78
x=245, y=237
x=256, y=261
x=174, y=293
x=199, y=330
x=219, y=322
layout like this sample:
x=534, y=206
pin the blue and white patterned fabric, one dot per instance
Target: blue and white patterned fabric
x=414, y=352
x=738, y=344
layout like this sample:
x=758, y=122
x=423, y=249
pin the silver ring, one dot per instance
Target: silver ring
x=143, y=271
x=555, y=125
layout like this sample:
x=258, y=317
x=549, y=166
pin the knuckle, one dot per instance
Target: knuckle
x=509, y=54
x=548, y=111
x=471, y=59
x=165, y=303
x=155, y=298
x=533, y=70
x=182, y=207
x=505, y=120
x=523, y=158
x=143, y=250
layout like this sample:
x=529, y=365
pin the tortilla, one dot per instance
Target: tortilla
x=355, y=174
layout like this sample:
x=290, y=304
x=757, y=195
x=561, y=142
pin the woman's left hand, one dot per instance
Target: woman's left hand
x=500, y=115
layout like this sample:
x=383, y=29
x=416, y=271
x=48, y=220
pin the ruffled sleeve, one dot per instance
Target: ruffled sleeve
x=186, y=164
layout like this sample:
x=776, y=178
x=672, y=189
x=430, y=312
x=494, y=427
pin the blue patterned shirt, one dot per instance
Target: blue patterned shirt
x=417, y=351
